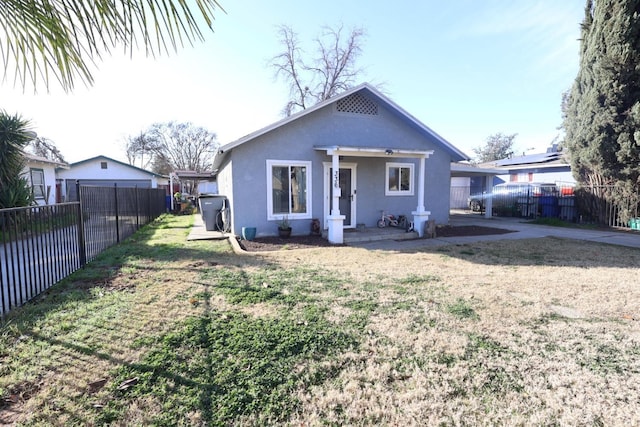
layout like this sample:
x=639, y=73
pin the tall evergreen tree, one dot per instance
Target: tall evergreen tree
x=602, y=118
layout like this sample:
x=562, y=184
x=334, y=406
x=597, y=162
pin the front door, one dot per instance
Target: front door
x=347, y=180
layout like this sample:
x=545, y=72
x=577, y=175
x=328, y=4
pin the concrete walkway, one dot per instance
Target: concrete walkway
x=522, y=230
x=199, y=231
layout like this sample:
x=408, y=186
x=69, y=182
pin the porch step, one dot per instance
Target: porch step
x=374, y=234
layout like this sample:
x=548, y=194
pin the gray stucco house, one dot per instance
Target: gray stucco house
x=383, y=158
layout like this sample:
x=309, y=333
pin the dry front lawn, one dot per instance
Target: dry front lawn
x=168, y=332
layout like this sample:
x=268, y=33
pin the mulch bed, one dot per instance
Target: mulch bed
x=469, y=230
x=261, y=244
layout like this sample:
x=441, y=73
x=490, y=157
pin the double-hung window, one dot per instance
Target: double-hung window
x=288, y=189
x=399, y=179
x=37, y=183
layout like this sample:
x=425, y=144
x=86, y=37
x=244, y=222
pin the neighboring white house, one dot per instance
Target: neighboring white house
x=105, y=171
x=41, y=174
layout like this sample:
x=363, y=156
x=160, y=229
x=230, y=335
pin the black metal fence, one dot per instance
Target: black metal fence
x=111, y=214
x=601, y=205
x=41, y=245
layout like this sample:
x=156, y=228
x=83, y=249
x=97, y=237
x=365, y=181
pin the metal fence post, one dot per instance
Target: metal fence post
x=150, y=214
x=115, y=194
x=6, y=300
x=137, y=209
x=82, y=250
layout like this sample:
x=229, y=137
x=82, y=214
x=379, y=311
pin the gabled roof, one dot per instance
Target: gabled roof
x=101, y=157
x=38, y=159
x=370, y=91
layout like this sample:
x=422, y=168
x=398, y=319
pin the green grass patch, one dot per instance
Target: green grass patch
x=554, y=222
x=366, y=306
x=462, y=310
x=557, y=222
x=228, y=366
x=482, y=343
x=274, y=285
x=414, y=279
x=242, y=287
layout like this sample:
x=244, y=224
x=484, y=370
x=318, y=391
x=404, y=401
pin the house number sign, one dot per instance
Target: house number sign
x=336, y=184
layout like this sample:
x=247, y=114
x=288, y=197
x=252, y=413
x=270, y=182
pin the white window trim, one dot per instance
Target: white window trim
x=389, y=192
x=288, y=163
x=43, y=186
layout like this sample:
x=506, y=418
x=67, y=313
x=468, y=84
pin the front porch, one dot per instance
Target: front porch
x=336, y=214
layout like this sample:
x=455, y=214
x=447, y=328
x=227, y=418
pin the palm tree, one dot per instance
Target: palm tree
x=15, y=134
x=60, y=38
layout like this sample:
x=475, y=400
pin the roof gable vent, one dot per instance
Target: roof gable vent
x=357, y=104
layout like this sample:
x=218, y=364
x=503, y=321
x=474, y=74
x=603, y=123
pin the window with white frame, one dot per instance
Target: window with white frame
x=399, y=179
x=288, y=189
x=37, y=183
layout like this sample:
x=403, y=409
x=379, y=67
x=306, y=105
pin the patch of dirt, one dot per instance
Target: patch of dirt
x=11, y=405
x=261, y=244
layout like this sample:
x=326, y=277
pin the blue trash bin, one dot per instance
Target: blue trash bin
x=550, y=208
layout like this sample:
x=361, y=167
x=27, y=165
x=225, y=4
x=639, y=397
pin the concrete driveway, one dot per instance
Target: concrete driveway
x=522, y=230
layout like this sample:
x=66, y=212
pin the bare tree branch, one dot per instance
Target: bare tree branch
x=46, y=148
x=332, y=71
x=336, y=62
x=139, y=148
x=175, y=146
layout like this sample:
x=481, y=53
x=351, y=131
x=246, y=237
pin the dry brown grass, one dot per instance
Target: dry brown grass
x=555, y=337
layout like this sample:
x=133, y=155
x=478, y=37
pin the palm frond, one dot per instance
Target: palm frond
x=61, y=39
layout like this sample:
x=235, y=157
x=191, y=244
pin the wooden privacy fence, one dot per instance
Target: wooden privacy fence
x=41, y=245
x=606, y=205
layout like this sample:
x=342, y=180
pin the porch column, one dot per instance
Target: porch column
x=488, y=200
x=171, y=191
x=335, y=220
x=420, y=215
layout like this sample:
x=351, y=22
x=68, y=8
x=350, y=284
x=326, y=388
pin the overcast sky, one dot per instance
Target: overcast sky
x=465, y=68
